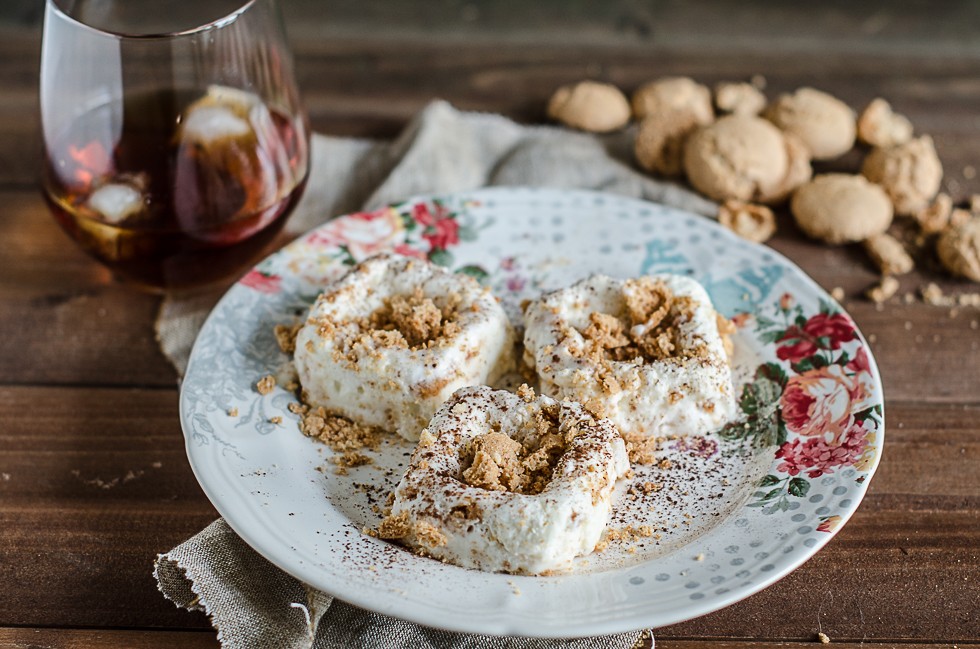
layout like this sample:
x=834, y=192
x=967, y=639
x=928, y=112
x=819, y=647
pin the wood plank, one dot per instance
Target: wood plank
x=67, y=321
x=79, y=553
x=93, y=485
x=371, y=86
x=710, y=25
x=42, y=638
x=46, y=638
x=727, y=643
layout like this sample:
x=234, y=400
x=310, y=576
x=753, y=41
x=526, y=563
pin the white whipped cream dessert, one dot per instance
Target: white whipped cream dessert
x=508, y=482
x=646, y=353
x=392, y=339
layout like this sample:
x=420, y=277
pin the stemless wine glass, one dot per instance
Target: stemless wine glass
x=175, y=143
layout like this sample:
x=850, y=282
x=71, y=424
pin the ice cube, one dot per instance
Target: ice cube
x=116, y=202
x=208, y=124
x=243, y=100
x=222, y=113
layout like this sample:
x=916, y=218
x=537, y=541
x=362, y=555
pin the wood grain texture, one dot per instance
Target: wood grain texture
x=66, y=321
x=88, y=496
x=93, y=477
x=42, y=638
x=39, y=638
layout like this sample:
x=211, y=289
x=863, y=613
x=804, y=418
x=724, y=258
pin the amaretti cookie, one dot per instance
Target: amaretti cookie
x=647, y=353
x=508, y=482
x=393, y=338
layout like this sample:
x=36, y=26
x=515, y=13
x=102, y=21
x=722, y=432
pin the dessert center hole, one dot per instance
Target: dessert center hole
x=415, y=321
x=498, y=462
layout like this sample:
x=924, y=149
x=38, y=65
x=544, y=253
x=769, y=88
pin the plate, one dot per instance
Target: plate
x=733, y=512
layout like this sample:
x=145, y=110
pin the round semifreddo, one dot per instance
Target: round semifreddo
x=392, y=339
x=651, y=354
x=506, y=482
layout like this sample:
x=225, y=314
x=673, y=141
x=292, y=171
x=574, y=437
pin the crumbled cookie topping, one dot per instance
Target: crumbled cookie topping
x=497, y=462
x=395, y=527
x=652, y=315
x=400, y=526
x=413, y=321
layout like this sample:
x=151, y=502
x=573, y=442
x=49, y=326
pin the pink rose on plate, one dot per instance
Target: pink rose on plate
x=837, y=327
x=261, y=282
x=440, y=229
x=816, y=456
x=364, y=233
x=860, y=362
x=803, y=342
x=820, y=401
x=406, y=250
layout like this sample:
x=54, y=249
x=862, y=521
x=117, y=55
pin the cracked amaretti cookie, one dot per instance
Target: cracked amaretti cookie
x=392, y=339
x=508, y=482
x=650, y=354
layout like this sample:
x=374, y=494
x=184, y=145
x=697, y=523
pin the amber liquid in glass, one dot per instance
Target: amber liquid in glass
x=176, y=188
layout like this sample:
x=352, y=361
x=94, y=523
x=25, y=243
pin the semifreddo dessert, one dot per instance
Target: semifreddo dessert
x=392, y=339
x=650, y=354
x=508, y=482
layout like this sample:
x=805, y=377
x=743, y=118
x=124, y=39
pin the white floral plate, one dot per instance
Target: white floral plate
x=735, y=511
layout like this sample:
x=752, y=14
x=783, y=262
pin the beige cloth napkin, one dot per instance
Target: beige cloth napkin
x=253, y=604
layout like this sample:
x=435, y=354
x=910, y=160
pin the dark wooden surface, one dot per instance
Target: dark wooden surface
x=93, y=478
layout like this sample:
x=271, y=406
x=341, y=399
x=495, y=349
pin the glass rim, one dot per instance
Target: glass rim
x=217, y=23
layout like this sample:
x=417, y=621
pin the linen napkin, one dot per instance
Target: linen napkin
x=250, y=602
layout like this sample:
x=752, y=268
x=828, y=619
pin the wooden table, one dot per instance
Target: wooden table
x=93, y=477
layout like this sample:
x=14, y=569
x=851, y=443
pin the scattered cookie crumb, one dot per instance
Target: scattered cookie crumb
x=275, y=420
x=513, y=587
x=349, y=460
x=232, y=412
x=339, y=433
x=286, y=336
x=699, y=556
x=266, y=384
x=823, y=637
x=747, y=220
x=837, y=293
x=888, y=254
x=883, y=290
x=933, y=295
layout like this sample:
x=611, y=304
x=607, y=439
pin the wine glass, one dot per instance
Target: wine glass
x=175, y=143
